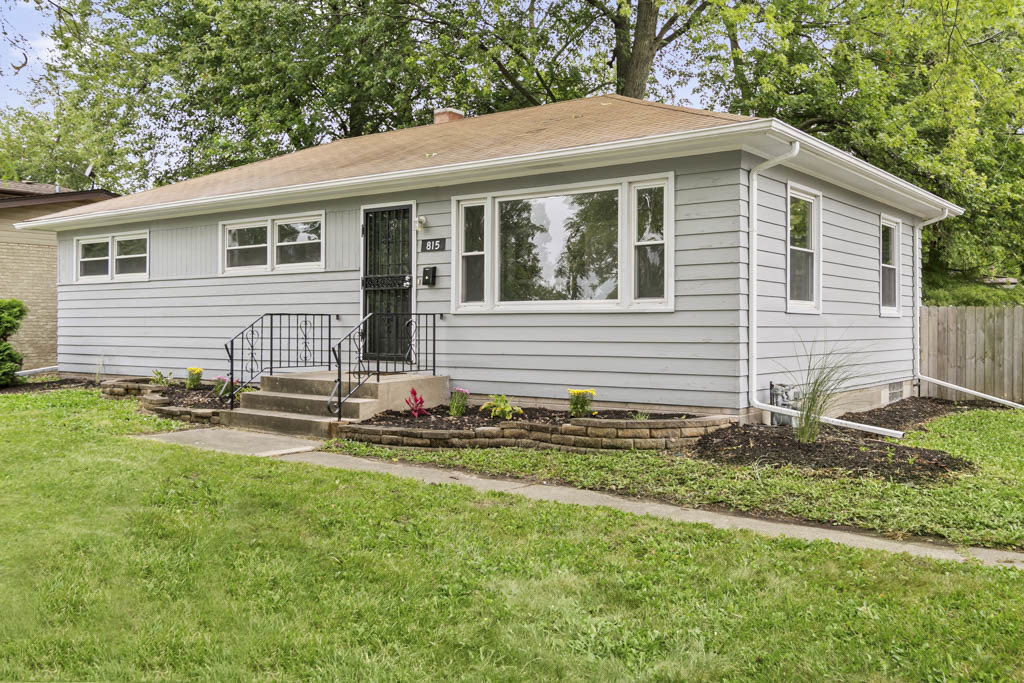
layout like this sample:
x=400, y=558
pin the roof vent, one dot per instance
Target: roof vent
x=447, y=114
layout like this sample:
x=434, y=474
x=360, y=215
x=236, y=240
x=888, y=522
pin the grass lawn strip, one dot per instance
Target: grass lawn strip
x=984, y=508
x=128, y=559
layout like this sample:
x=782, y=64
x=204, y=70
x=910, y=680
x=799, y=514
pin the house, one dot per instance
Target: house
x=28, y=262
x=599, y=243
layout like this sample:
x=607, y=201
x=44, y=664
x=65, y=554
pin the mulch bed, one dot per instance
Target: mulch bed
x=834, y=452
x=844, y=450
x=32, y=387
x=439, y=418
x=181, y=397
x=911, y=413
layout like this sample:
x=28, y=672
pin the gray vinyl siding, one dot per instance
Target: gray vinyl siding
x=877, y=349
x=691, y=357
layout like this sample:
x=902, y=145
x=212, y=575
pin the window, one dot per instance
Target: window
x=94, y=258
x=473, y=227
x=802, y=240
x=246, y=247
x=583, y=247
x=889, y=274
x=649, y=256
x=298, y=241
x=277, y=243
x=113, y=257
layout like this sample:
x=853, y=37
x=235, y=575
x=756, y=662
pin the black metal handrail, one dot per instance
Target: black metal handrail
x=383, y=344
x=278, y=341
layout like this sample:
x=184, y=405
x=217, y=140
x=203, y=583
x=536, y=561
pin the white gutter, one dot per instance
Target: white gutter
x=630, y=150
x=752, y=279
x=918, y=272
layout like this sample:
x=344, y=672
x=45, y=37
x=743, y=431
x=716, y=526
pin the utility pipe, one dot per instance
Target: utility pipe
x=752, y=305
x=918, y=268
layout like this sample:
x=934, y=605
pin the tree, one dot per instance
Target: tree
x=930, y=90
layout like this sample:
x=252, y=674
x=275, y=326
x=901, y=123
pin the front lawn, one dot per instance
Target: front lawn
x=985, y=507
x=127, y=559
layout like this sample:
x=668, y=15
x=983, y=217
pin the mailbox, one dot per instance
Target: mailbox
x=430, y=276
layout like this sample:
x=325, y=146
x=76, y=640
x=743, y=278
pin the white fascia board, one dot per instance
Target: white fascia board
x=744, y=135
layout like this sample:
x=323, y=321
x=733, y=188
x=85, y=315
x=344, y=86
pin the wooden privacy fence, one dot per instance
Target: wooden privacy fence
x=977, y=347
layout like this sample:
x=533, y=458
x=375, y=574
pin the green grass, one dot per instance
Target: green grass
x=984, y=508
x=124, y=559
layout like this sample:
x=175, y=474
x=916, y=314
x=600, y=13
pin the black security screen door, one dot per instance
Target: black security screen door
x=387, y=281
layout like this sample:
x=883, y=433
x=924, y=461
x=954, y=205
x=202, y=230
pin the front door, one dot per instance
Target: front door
x=387, y=281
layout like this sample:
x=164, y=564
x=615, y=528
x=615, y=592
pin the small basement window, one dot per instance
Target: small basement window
x=889, y=273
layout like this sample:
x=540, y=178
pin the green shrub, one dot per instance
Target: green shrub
x=501, y=407
x=458, y=402
x=12, y=312
x=941, y=289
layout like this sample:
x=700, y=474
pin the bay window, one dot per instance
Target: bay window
x=889, y=267
x=602, y=246
x=803, y=236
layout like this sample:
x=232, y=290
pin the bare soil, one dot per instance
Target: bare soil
x=474, y=417
x=911, y=413
x=181, y=397
x=33, y=387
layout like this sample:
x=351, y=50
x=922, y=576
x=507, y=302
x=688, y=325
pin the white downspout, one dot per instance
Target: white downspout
x=752, y=305
x=918, y=272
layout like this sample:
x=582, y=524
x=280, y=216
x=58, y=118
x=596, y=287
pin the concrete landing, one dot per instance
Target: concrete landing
x=237, y=442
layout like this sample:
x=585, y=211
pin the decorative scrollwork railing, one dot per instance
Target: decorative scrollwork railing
x=383, y=344
x=278, y=341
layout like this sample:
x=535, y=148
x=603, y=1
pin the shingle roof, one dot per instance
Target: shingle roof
x=12, y=187
x=560, y=125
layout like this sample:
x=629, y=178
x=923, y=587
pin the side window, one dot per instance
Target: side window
x=245, y=246
x=131, y=255
x=298, y=241
x=94, y=258
x=889, y=274
x=472, y=244
x=649, y=241
x=802, y=243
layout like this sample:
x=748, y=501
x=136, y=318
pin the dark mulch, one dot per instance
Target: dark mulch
x=195, y=398
x=439, y=418
x=911, y=413
x=835, y=451
x=32, y=387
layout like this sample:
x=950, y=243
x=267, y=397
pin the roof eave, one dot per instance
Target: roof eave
x=741, y=135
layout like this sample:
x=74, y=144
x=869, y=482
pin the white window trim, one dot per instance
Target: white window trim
x=795, y=191
x=627, y=243
x=269, y=223
x=111, y=240
x=897, y=225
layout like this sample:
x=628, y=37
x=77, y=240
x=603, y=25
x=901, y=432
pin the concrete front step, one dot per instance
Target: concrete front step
x=278, y=422
x=317, y=384
x=308, y=404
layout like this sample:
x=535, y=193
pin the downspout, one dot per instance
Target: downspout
x=918, y=272
x=752, y=305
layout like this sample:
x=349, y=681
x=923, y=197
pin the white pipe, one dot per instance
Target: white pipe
x=752, y=306
x=918, y=272
x=36, y=371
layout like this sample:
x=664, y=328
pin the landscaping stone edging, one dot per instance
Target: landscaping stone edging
x=580, y=435
x=153, y=401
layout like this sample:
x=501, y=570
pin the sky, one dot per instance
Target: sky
x=30, y=23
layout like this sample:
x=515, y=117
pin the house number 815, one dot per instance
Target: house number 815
x=436, y=244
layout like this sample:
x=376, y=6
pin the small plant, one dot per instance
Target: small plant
x=458, y=402
x=162, y=379
x=640, y=415
x=580, y=402
x=194, y=379
x=825, y=375
x=12, y=311
x=415, y=403
x=221, y=385
x=99, y=370
x=501, y=407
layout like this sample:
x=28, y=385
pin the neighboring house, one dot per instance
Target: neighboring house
x=28, y=262
x=598, y=243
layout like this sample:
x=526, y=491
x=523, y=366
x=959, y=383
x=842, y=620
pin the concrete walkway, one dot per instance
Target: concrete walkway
x=300, y=450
